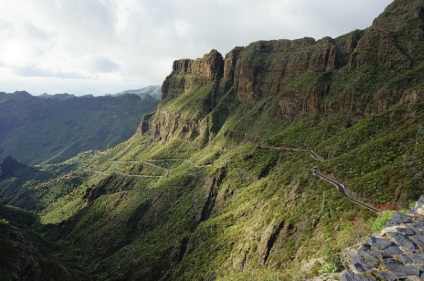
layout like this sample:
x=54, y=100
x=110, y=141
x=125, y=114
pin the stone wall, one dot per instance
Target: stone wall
x=396, y=254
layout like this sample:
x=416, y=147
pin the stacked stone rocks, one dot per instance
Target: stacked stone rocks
x=396, y=254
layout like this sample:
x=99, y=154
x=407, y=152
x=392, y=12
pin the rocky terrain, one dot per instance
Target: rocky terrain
x=396, y=254
x=217, y=183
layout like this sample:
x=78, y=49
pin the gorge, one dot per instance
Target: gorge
x=216, y=184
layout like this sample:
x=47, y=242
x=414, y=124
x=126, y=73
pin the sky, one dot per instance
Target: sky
x=107, y=46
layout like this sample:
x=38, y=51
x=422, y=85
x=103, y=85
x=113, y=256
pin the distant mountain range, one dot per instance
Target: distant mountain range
x=154, y=91
x=217, y=183
x=53, y=128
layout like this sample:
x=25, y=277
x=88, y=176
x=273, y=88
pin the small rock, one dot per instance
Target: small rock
x=365, y=247
x=398, y=219
x=380, y=243
x=406, y=231
x=413, y=260
x=384, y=245
x=420, y=202
x=369, y=256
x=399, y=269
x=362, y=267
x=402, y=241
x=419, y=224
x=419, y=240
x=387, y=276
x=350, y=276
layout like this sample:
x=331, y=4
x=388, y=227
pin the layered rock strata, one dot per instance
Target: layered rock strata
x=188, y=74
x=396, y=254
x=362, y=72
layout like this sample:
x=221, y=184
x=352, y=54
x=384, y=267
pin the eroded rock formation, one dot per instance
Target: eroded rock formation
x=358, y=73
x=188, y=74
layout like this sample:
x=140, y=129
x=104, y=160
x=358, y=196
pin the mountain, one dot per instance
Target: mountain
x=153, y=91
x=55, y=128
x=217, y=183
x=63, y=96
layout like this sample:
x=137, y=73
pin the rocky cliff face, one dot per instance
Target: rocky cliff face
x=362, y=72
x=190, y=74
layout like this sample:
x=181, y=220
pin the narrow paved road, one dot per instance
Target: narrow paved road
x=315, y=156
x=340, y=187
x=148, y=162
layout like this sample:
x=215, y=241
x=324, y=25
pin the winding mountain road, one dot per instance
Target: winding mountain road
x=340, y=187
x=148, y=162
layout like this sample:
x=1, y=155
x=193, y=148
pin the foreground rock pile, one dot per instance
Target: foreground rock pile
x=396, y=254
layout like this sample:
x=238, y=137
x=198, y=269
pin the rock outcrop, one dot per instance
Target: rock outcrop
x=190, y=74
x=396, y=254
x=304, y=77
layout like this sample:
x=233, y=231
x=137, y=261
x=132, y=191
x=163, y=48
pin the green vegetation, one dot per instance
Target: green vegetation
x=218, y=185
x=230, y=212
x=47, y=130
x=328, y=268
x=382, y=219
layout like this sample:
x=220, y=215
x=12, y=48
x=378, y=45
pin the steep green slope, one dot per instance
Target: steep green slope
x=26, y=255
x=256, y=212
x=36, y=130
x=217, y=183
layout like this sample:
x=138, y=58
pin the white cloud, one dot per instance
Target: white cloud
x=37, y=71
x=130, y=42
x=102, y=64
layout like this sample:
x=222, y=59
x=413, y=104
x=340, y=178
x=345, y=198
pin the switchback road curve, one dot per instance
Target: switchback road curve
x=340, y=187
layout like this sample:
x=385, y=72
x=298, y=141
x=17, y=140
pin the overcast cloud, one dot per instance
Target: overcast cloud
x=107, y=46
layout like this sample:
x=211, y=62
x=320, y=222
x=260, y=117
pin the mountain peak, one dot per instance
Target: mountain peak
x=188, y=73
x=401, y=16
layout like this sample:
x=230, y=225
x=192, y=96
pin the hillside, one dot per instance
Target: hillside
x=217, y=183
x=154, y=91
x=54, y=128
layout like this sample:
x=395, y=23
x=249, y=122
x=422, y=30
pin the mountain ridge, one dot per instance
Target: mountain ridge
x=38, y=129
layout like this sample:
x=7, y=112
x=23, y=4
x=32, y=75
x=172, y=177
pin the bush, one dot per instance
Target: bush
x=381, y=220
x=327, y=268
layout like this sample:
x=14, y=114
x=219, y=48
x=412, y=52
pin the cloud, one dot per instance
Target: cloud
x=36, y=71
x=102, y=64
x=136, y=41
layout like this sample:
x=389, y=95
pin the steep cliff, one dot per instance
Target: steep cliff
x=190, y=74
x=363, y=72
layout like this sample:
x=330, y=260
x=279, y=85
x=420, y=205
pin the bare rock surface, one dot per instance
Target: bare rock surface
x=397, y=253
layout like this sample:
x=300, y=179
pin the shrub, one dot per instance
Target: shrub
x=327, y=268
x=381, y=220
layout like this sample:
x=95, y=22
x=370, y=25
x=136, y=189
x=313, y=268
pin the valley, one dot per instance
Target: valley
x=216, y=184
x=54, y=128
